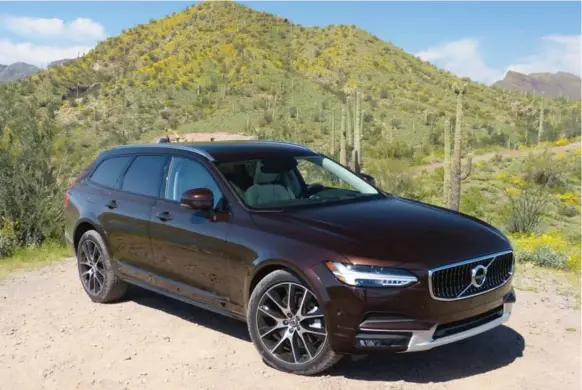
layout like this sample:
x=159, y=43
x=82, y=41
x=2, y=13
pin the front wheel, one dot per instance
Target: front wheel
x=287, y=325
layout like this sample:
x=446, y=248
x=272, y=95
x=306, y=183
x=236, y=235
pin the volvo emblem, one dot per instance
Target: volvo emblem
x=478, y=276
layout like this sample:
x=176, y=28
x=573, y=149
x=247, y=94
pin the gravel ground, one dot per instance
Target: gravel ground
x=53, y=337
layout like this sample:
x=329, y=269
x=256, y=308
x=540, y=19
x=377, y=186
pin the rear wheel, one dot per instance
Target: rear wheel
x=95, y=270
x=287, y=325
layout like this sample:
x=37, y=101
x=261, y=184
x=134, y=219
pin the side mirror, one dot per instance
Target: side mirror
x=369, y=178
x=198, y=199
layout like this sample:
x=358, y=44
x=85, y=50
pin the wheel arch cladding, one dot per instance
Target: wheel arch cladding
x=266, y=269
x=82, y=228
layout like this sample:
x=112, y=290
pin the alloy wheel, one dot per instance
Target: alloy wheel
x=91, y=267
x=290, y=323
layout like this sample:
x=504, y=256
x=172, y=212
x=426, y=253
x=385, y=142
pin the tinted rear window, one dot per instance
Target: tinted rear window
x=144, y=176
x=109, y=171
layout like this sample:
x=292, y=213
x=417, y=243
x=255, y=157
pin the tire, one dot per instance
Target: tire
x=95, y=271
x=295, y=344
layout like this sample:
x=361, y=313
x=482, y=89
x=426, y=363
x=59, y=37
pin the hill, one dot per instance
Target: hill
x=58, y=62
x=222, y=65
x=17, y=71
x=549, y=84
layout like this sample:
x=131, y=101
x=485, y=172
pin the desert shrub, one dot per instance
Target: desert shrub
x=527, y=207
x=31, y=180
x=574, y=262
x=562, y=141
x=543, y=170
x=544, y=256
x=568, y=210
x=393, y=150
x=393, y=176
x=8, y=239
x=547, y=250
x=569, y=198
x=473, y=201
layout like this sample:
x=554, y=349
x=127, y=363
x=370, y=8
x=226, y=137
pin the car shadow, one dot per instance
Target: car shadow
x=193, y=314
x=486, y=352
x=489, y=351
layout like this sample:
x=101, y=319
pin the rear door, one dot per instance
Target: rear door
x=130, y=207
x=101, y=189
x=189, y=247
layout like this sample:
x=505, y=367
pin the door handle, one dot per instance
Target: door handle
x=164, y=216
x=112, y=204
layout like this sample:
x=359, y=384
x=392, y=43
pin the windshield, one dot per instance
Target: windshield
x=291, y=181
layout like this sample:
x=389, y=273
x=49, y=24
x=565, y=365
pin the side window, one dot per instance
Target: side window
x=185, y=174
x=108, y=172
x=144, y=176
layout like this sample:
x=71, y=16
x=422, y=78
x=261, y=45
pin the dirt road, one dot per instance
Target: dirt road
x=504, y=153
x=53, y=337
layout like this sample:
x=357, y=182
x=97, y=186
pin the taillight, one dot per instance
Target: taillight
x=67, y=197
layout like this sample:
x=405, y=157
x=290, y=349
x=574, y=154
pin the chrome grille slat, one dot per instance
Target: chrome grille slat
x=453, y=282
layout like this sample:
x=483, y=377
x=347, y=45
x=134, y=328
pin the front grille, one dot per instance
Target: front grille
x=456, y=281
x=452, y=328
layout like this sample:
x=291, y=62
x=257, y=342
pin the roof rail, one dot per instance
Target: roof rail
x=189, y=148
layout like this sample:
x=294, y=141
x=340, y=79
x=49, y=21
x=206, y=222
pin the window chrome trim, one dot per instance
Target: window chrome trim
x=469, y=261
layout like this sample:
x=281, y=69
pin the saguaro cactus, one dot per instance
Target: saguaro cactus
x=541, y=124
x=447, y=165
x=456, y=177
x=343, y=152
x=333, y=133
x=356, y=120
x=350, y=121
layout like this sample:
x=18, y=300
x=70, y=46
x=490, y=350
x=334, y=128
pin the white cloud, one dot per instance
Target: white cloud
x=464, y=58
x=38, y=55
x=78, y=30
x=557, y=53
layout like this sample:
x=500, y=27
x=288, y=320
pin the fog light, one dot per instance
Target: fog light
x=384, y=340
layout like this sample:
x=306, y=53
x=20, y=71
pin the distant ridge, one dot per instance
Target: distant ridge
x=547, y=84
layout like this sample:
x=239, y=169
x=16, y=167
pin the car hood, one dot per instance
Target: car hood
x=391, y=231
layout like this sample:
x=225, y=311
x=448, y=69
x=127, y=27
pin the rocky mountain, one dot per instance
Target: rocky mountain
x=17, y=71
x=548, y=84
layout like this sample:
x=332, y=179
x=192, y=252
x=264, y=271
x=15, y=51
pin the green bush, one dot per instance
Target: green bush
x=544, y=256
x=567, y=210
x=473, y=202
x=393, y=176
x=32, y=181
x=8, y=239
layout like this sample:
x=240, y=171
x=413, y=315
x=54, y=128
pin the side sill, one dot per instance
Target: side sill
x=185, y=299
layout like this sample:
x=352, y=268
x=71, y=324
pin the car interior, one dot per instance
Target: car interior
x=264, y=181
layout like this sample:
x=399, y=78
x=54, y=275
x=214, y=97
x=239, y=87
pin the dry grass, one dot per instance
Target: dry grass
x=32, y=257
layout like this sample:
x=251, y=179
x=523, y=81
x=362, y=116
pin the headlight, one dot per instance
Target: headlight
x=370, y=276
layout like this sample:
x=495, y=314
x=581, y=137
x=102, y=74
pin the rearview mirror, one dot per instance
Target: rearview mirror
x=369, y=178
x=197, y=199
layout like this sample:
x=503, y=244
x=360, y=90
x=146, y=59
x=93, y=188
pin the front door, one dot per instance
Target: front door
x=188, y=244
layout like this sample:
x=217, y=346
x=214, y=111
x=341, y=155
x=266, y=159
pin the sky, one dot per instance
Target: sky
x=480, y=40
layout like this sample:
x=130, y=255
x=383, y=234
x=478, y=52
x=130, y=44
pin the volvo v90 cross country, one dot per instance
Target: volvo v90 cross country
x=318, y=261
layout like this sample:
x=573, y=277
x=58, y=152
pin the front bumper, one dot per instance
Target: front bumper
x=369, y=320
x=424, y=340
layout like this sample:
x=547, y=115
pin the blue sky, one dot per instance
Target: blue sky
x=481, y=40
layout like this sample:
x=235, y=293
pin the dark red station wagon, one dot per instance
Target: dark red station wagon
x=318, y=261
